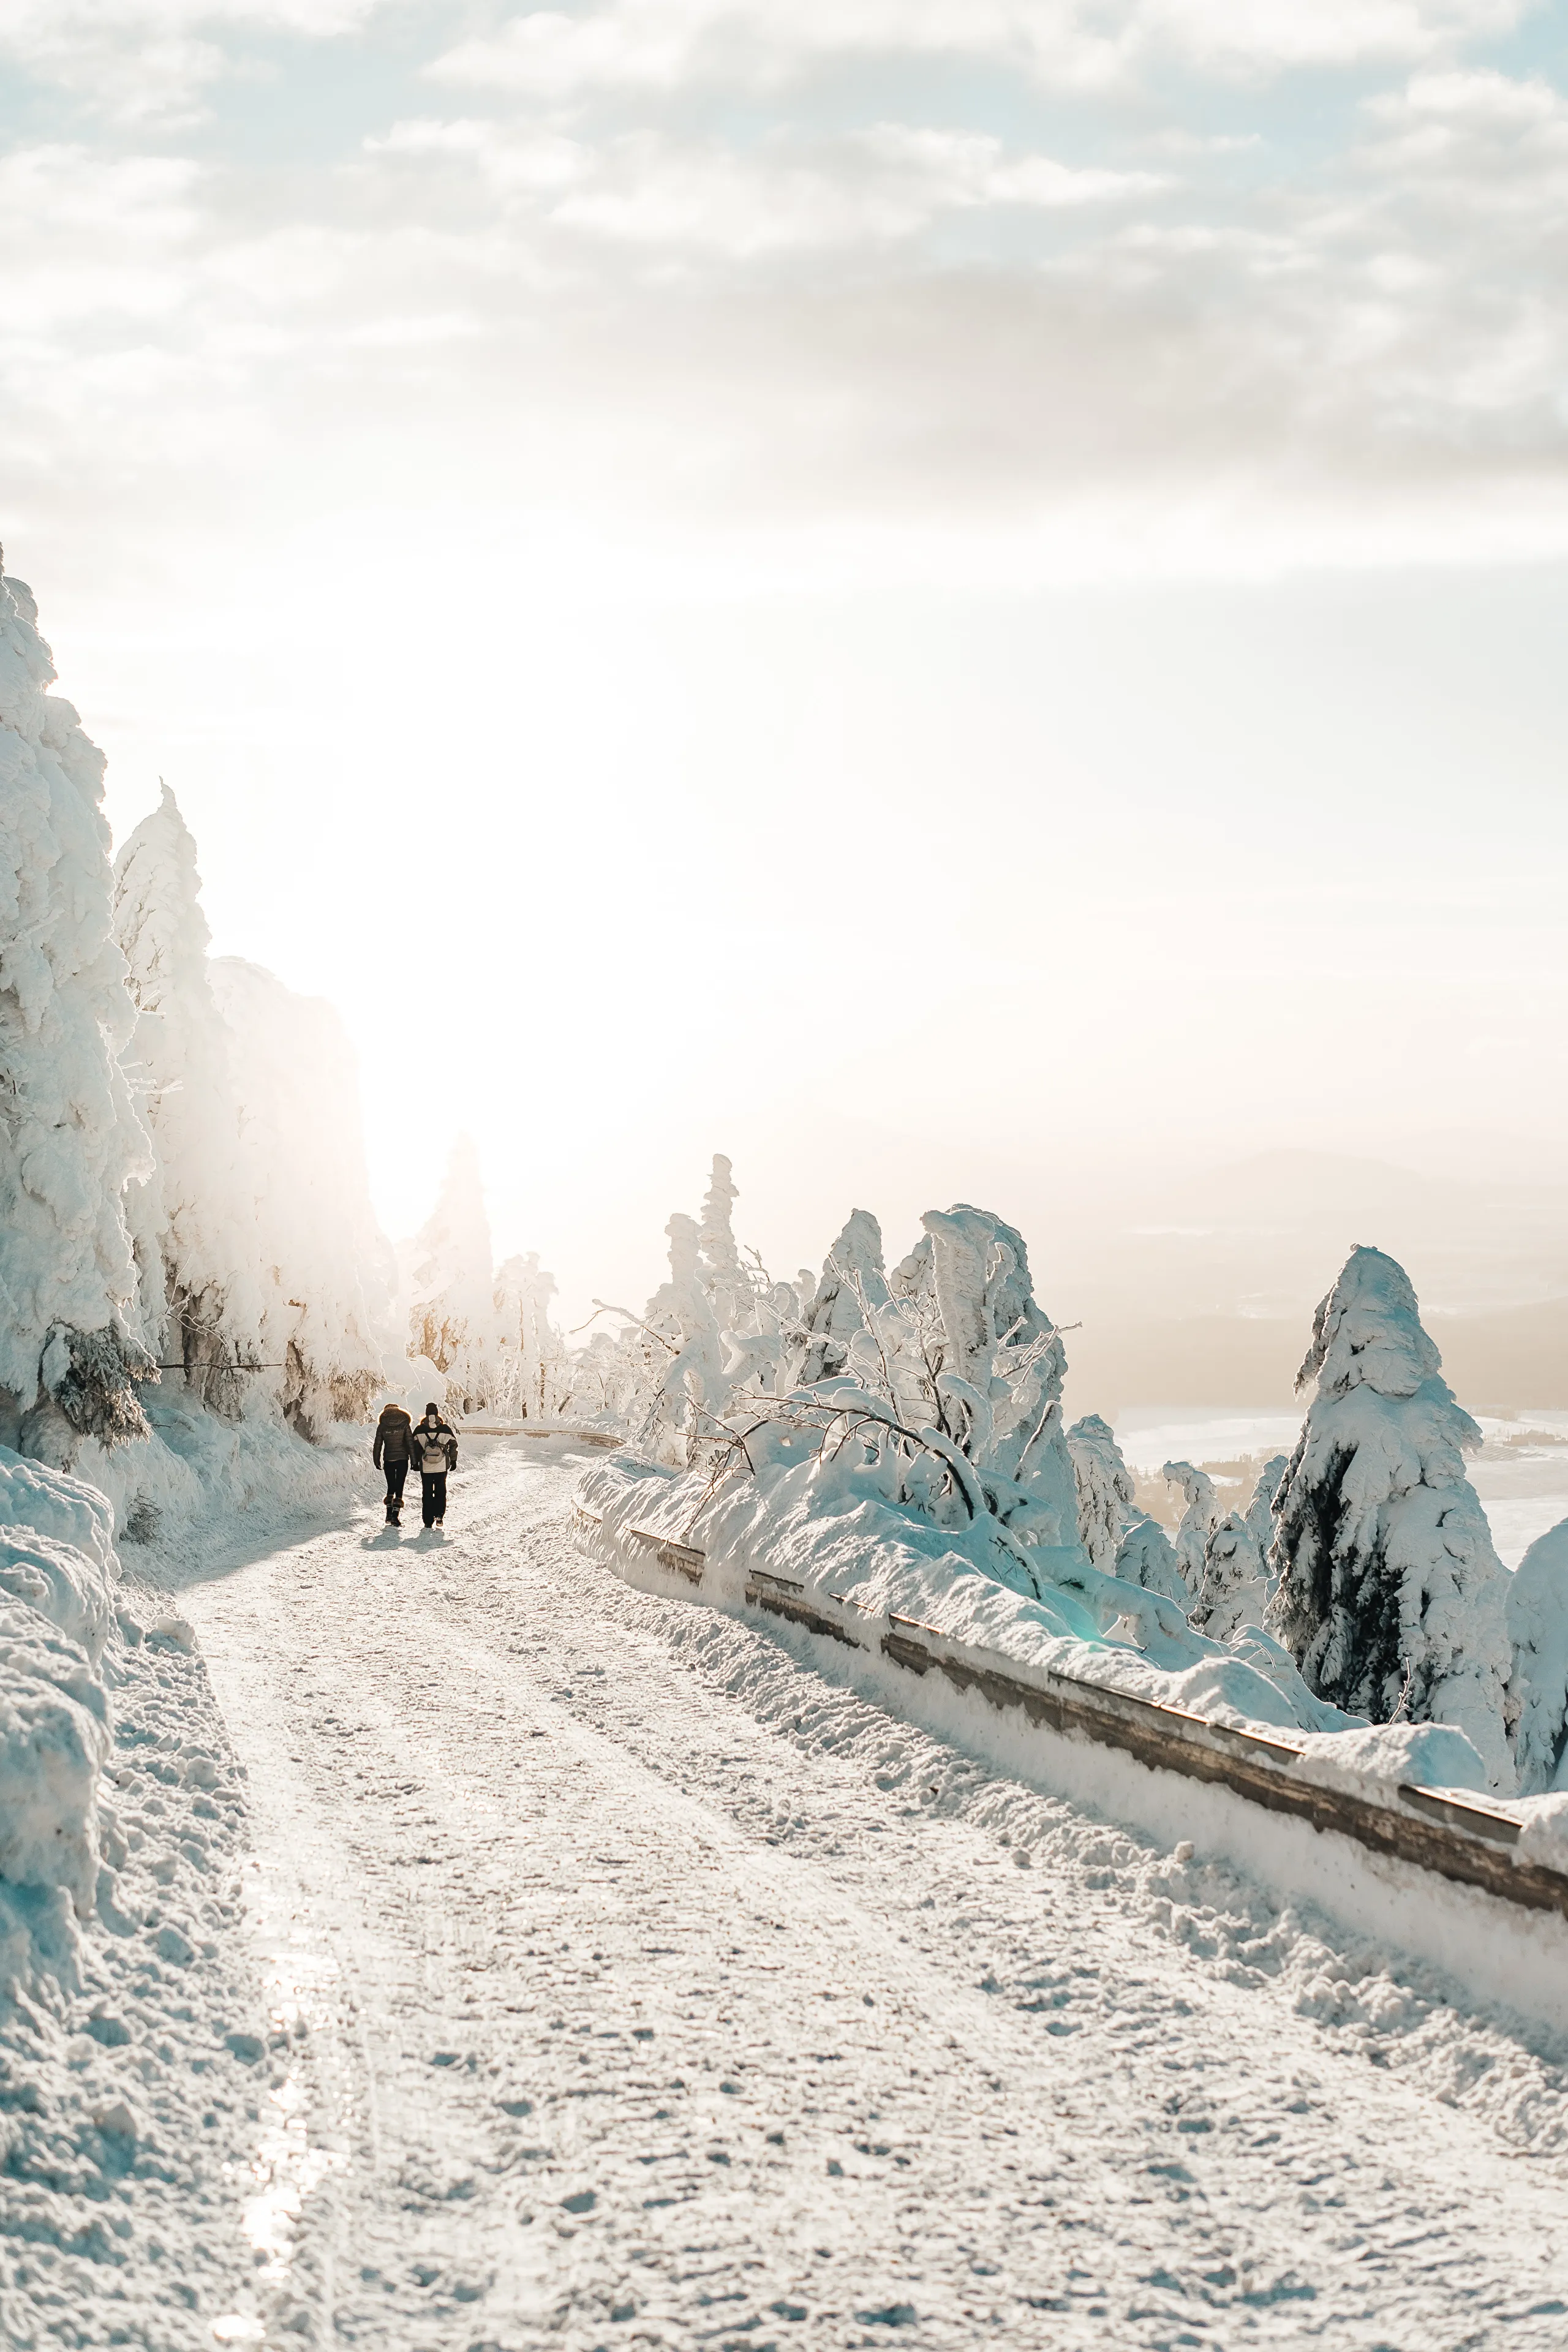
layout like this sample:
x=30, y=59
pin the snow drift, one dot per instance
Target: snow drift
x=58, y=1570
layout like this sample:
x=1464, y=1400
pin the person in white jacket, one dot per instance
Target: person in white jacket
x=435, y=1448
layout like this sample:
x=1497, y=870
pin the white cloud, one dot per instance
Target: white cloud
x=828, y=319
x=144, y=60
x=1276, y=36
x=664, y=45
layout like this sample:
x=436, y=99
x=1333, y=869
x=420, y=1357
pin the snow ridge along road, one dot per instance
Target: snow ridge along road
x=652, y=1990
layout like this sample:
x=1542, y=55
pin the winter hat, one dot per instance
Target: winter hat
x=431, y=1408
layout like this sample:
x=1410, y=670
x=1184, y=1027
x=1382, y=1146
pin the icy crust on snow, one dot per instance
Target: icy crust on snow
x=820, y=1527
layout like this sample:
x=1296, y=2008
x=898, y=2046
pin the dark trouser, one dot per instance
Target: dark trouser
x=433, y=1494
x=396, y=1472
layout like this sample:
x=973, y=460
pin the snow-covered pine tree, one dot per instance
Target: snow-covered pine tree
x=1237, y=1586
x=1261, y=1507
x=194, y=1234
x=852, y=1271
x=534, y=1363
x=1199, y=1520
x=453, y=1318
x=1106, y=1496
x=1002, y=1370
x=1233, y=1589
x=1537, y=1688
x=689, y=1390
x=723, y=1276
x=325, y=1271
x=1146, y=1556
x=71, y=1345
x=1391, y=1596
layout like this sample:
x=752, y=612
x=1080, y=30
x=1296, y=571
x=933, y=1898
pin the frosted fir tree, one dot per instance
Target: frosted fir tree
x=1105, y=1495
x=1260, y=1506
x=1146, y=1556
x=1391, y=1596
x=72, y=1345
x=725, y=1279
x=325, y=1271
x=1237, y=1585
x=452, y=1318
x=854, y=1279
x=1199, y=1520
x=1002, y=1369
x=1537, y=1685
x=195, y=1236
x=1234, y=1588
x=689, y=1390
x=534, y=1364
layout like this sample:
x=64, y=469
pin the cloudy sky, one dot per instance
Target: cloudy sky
x=941, y=595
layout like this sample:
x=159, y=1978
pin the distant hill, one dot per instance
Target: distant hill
x=1200, y=1291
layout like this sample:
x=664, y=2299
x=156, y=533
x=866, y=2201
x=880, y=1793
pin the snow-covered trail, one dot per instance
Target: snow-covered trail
x=662, y=1992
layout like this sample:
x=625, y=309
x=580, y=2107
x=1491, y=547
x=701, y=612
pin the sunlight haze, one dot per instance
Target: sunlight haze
x=954, y=602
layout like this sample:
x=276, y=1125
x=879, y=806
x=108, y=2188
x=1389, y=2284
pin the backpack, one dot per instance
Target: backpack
x=431, y=1446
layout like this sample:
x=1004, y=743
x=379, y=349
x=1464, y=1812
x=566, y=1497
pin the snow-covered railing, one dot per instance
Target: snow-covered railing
x=1450, y=1832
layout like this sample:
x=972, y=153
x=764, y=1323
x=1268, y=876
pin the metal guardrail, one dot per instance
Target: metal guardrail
x=1447, y=1831
x=539, y=1429
x=677, y=1556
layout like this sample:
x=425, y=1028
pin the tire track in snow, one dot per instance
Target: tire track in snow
x=686, y=1998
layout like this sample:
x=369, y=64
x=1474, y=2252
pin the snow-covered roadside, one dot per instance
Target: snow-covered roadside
x=142, y=2068
x=862, y=1570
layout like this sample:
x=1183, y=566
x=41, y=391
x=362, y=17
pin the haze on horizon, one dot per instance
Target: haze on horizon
x=956, y=602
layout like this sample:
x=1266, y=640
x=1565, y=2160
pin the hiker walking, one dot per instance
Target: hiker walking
x=434, y=1452
x=393, y=1436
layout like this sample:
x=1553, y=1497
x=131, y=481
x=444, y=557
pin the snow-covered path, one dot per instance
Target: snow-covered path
x=662, y=1992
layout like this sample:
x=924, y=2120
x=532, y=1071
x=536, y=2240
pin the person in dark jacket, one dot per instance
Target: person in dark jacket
x=435, y=1443
x=394, y=1443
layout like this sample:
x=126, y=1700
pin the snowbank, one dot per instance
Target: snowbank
x=826, y=1527
x=57, y=1571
